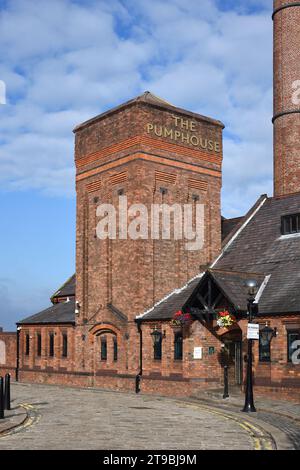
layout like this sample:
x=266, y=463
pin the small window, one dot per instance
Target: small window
x=51, y=344
x=157, y=350
x=103, y=348
x=27, y=345
x=115, y=349
x=178, y=342
x=290, y=224
x=65, y=345
x=39, y=344
x=292, y=336
x=264, y=350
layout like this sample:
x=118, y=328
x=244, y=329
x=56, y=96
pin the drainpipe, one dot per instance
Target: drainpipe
x=139, y=375
x=18, y=353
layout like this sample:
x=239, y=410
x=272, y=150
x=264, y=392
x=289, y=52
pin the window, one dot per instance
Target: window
x=178, y=342
x=115, y=349
x=157, y=349
x=51, y=344
x=27, y=345
x=39, y=344
x=65, y=345
x=264, y=349
x=290, y=224
x=292, y=336
x=103, y=348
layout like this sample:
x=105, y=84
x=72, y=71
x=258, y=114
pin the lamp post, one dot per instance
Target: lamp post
x=252, y=288
x=18, y=353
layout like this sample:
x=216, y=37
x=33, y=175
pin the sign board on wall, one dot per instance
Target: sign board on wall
x=198, y=353
x=253, y=331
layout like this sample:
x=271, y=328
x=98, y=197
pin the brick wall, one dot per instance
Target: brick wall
x=8, y=353
x=286, y=73
x=279, y=373
x=134, y=274
x=33, y=362
x=126, y=149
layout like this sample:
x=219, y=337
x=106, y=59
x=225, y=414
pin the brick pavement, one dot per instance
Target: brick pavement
x=70, y=418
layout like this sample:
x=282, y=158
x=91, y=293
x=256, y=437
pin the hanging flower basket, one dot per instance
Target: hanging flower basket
x=181, y=319
x=226, y=320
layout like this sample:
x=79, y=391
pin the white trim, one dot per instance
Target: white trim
x=174, y=292
x=262, y=288
x=289, y=235
x=238, y=232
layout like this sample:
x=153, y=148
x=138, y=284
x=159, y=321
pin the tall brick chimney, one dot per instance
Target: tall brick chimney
x=286, y=118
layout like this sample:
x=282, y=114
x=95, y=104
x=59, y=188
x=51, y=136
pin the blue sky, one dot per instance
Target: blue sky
x=65, y=61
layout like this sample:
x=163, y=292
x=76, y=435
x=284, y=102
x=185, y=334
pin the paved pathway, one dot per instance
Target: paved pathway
x=69, y=418
x=283, y=415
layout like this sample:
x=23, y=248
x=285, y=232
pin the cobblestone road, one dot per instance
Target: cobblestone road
x=67, y=418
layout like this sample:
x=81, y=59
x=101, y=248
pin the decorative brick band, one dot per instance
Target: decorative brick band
x=285, y=113
x=148, y=141
x=152, y=158
x=283, y=7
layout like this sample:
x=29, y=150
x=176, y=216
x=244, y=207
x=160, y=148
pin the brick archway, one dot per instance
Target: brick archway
x=102, y=367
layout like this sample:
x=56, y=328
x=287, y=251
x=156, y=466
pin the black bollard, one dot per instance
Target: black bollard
x=226, y=394
x=7, y=392
x=1, y=398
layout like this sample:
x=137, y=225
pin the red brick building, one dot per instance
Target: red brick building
x=112, y=322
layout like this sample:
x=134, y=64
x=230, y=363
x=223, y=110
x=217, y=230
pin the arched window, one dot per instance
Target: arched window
x=178, y=343
x=65, y=345
x=27, y=344
x=51, y=344
x=39, y=344
x=115, y=341
x=157, y=349
x=103, y=353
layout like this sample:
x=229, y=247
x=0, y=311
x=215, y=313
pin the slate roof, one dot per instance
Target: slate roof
x=149, y=98
x=254, y=248
x=260, y=248
x=228, y=225
x=67, y=289
x=165, y=309
x=233, y=285
x=62, y=312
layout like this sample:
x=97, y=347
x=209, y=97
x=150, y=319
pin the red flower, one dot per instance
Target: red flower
x=178, y=314
x=187, y=316
x=224, y=314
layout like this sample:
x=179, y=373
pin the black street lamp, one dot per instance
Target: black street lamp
x=252, y=288
x=156, y=336
x=267, y=334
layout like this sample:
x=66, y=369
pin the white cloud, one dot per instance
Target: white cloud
x=72, y=60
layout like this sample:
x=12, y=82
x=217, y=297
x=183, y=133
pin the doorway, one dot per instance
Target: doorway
x=234, y=361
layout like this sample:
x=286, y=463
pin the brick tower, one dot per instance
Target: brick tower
x=286, y=118
x=150, y=152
